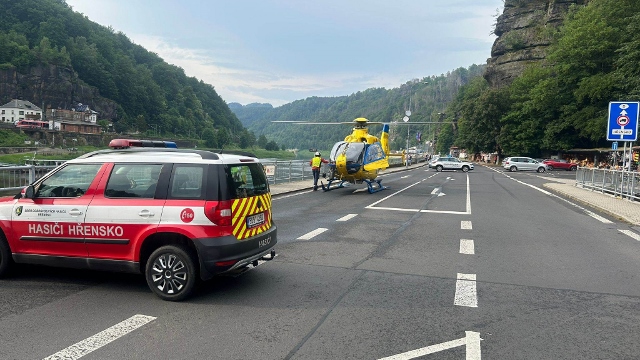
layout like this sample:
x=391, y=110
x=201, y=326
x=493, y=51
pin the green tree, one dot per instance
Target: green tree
x=210, y=138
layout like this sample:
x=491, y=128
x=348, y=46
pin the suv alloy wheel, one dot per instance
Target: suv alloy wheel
x=171, y=273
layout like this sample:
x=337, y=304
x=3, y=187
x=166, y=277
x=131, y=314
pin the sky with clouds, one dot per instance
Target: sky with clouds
x=278, y=51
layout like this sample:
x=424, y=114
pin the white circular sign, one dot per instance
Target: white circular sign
x=408, y=112
x=405, y=119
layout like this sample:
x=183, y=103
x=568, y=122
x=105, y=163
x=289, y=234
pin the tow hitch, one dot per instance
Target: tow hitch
x=252, y=265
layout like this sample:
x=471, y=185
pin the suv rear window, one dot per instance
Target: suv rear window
x=246, y=180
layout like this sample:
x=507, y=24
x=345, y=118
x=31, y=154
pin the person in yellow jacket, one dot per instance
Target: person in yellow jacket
x=315, y=163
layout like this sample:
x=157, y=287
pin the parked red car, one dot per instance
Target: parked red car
x=560, y=164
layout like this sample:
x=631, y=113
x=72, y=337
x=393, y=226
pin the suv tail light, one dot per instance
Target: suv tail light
x=219, y=212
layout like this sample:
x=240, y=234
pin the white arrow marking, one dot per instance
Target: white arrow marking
x=435, y=191
x=441, y=194
x=471, y=341
x=404, y=177
x=102, y=338
x=623, y=112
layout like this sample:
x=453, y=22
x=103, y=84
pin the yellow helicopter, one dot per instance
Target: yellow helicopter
x=360, y=157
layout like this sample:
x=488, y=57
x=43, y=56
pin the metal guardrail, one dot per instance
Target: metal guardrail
x=279, y=172
x=14, y=178
x=625, y=184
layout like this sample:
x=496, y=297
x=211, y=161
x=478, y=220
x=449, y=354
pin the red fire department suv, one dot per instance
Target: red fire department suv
x=170, y=214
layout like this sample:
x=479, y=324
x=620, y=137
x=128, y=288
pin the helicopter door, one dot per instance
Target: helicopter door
x=338, y=148
x=375, y=158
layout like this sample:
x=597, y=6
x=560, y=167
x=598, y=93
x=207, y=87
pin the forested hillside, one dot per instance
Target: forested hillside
x=149, y=92
x=426, y=98
x=559, y=103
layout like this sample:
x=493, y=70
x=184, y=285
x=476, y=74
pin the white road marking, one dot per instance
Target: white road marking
x=294, y=194
x=466, y=212
x=404, y=177
x=590, y=213
x=466, y=225
x=471, y=341
x=359, y=190
x=630, y=233
x=435, y=191
x=466, y=294
x=312, y=234
x=467, y=247
x=102, y=338
x=598, y=217
x=347, y=217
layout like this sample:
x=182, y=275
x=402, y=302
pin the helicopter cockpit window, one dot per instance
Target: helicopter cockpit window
x=338, y=148
x=354, y=152
x=374, y=153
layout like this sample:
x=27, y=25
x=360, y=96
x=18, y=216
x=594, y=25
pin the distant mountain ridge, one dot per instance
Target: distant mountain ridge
x=425, y=97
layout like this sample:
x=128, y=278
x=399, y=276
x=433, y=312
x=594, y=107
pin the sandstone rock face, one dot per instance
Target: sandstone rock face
x=524, y=32
x=55, y=87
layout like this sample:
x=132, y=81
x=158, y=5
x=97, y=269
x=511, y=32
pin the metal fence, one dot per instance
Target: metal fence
x=625, y=184
x=14, y=178
x=279, y=172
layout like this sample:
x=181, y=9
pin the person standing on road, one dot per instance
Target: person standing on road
x=315, y=163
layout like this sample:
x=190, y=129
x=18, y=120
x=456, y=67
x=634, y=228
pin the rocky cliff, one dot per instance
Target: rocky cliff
x=524, y=32
x=55, y=87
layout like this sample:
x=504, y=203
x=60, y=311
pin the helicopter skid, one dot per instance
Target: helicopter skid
x=328, y=187
x=372, y=188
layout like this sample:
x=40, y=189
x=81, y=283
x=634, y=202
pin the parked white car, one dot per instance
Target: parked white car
x=451, y=163
x=516, y=163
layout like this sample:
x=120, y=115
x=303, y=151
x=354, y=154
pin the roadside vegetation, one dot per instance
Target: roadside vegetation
x=562, y=102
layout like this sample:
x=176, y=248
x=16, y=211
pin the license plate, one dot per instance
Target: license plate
x=255, y=220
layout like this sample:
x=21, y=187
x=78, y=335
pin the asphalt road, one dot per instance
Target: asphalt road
x=483, y=264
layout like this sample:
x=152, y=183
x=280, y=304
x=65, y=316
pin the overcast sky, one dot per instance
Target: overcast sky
x=278, y=51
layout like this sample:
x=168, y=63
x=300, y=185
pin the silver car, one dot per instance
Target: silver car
x=516, y=163
x=451, y=163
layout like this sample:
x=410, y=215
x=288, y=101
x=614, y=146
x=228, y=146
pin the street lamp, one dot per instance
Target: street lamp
x=406, y=119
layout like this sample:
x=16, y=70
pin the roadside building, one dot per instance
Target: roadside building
x=80, y=119
x=16, y=110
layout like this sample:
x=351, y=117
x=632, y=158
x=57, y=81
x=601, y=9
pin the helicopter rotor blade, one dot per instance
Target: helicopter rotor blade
x=420, y=122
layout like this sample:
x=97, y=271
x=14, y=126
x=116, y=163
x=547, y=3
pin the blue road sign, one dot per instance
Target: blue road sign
x=614, y=145
x=623, y=121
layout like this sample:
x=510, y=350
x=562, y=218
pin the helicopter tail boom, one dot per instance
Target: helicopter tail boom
x=384, y=139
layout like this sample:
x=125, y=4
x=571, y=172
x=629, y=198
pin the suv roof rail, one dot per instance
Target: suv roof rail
x=233, y=152
x=205, y=155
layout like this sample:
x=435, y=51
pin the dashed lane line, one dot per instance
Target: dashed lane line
x=466, y=293
x=466, y=225
x=467, y=247
x=312, y=234
x=347, y=217
x=102, y=338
